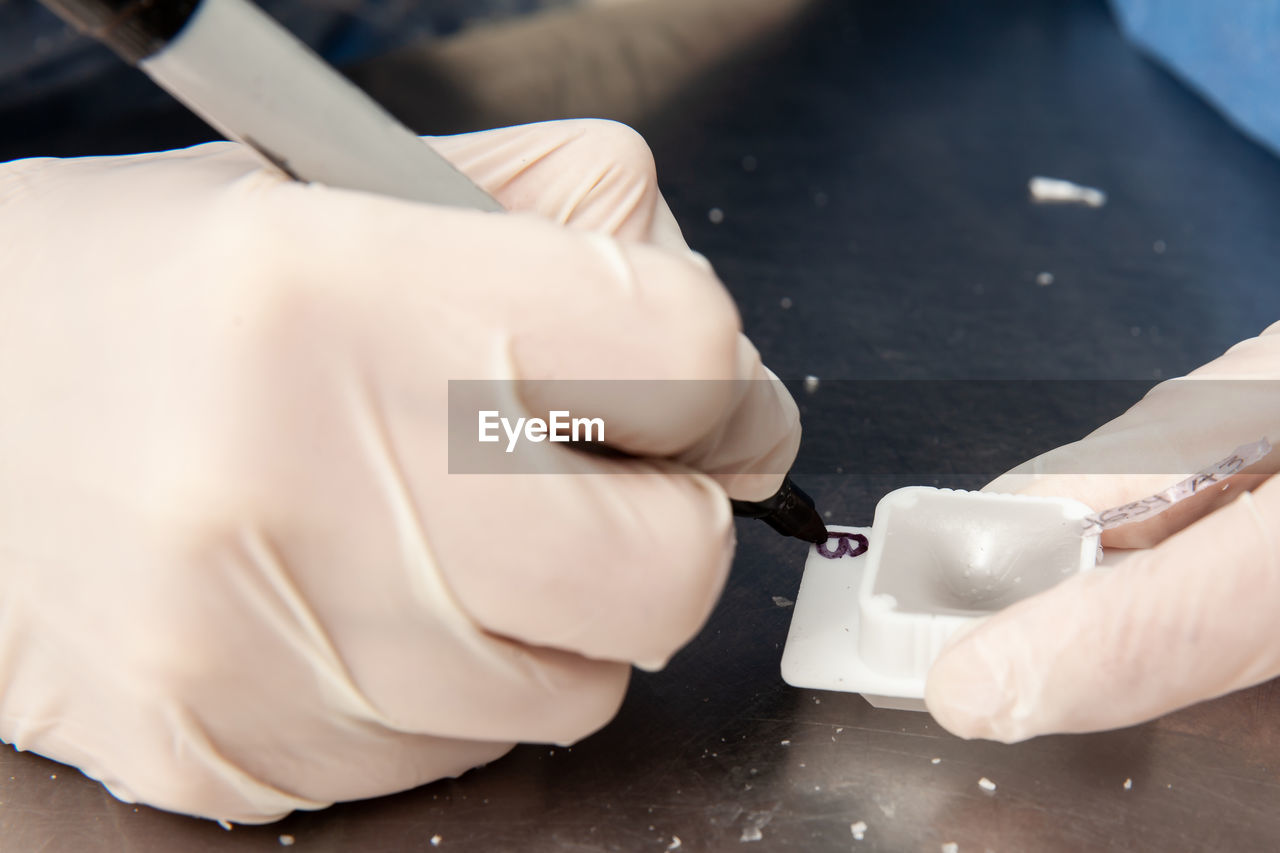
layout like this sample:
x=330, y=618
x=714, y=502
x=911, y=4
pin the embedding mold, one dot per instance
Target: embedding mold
x=876, y=605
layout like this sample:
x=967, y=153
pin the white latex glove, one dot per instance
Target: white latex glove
x=236, y=577
x=1189, y=618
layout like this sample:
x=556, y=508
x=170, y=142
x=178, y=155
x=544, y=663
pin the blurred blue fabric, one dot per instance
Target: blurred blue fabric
x=1227, y=50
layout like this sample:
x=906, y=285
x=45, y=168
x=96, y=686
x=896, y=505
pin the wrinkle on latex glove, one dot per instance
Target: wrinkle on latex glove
x=606, y=177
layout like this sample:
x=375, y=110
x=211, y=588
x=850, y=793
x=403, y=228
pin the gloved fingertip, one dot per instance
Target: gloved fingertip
x=701, y=261
x=652, y=665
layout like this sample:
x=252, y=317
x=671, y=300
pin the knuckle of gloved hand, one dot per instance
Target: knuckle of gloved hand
x=624, y=148
x=697, y=351
x=281, y=288
x=696, y=321
x=678, y=575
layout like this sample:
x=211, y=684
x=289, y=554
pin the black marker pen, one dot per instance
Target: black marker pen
x=239, y=70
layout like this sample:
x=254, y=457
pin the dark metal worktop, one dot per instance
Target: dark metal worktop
x=884, y=196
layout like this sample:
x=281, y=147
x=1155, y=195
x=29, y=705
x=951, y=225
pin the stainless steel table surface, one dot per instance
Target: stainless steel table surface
x=871, y=161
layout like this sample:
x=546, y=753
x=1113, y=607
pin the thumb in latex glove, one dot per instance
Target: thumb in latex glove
x=1189, y=617
x=236, y=575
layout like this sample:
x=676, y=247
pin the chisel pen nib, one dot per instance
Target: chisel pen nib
x=790, y=512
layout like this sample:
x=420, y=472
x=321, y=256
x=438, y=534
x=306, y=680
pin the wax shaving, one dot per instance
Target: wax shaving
x=1057, y=191
x=754, y=825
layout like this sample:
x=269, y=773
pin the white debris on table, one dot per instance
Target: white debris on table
x=1058, y=191
x=950, y=847
x=811, y=383
x=1128, y=784
x=785, y=302
x=858, y=829
x=754, y=824
x=1044, y=279
x=986, y=784
x=286, y=840
x=935, y=761
x=781, y=601
x=716, y=215
x=675, y=843
x=435, y=840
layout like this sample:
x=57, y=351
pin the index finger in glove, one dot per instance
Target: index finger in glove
x=599, y=176
x=1190, y=619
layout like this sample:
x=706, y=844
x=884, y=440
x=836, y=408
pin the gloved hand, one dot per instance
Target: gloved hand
x=1189, y=618
x=236, y=575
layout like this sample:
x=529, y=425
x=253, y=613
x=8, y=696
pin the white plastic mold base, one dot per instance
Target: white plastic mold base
x=877, y=605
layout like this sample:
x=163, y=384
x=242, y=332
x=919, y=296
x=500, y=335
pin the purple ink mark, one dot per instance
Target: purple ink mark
x=844, y=549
